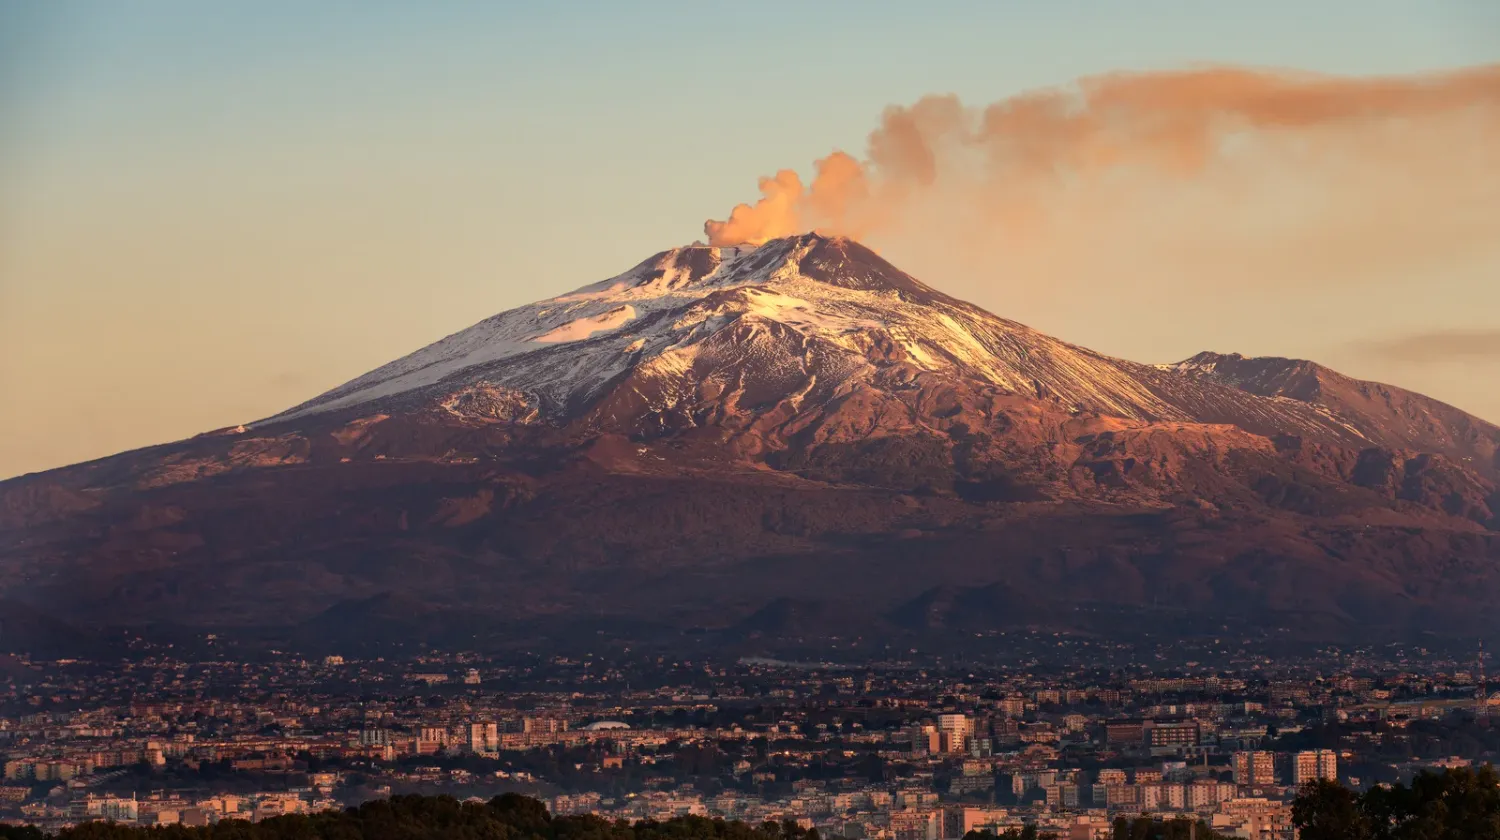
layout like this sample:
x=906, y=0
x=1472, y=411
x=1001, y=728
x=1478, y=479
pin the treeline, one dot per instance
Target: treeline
x=1460, y=804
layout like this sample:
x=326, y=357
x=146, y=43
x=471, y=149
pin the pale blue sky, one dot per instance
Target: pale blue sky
x=210, y=211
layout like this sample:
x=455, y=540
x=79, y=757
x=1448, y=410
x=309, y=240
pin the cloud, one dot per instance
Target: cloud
x=774, y=215
x=1437, y=347
x=1347, y=162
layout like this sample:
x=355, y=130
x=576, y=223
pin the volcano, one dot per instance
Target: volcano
x=796, y=440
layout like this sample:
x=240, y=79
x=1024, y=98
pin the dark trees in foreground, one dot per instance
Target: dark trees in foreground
x=1459, y=804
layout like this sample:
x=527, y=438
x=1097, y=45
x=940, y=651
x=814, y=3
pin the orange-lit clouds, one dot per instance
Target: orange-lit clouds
x=776, y=214
x=941, y=168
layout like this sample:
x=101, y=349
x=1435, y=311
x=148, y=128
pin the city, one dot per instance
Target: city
x=903, y=751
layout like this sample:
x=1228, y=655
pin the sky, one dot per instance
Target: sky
x=211, y=212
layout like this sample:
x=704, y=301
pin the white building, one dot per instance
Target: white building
x=1316, y=764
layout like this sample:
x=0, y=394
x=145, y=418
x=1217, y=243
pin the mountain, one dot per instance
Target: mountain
x=797, y=441
x=1378, y=413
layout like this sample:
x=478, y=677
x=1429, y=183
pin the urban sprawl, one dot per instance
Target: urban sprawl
x=898, y=751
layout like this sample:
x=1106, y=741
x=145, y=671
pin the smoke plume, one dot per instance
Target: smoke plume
x=1017, y=168
x=1437, y=347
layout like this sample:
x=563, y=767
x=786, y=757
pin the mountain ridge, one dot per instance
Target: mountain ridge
x=723, y=437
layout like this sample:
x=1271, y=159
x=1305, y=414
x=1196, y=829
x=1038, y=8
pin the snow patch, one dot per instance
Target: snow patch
x=586, y=327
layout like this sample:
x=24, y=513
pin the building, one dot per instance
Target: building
x=1315, y=764
x=970, y=784
x=960, y=821
x=1012, y=706
x=111, y=808
x=1123, y=732
x=1062, y=795
x=1206, y=793
x=1173, y=733
x=1111, y=776
x=1255, y=819
x=924, y=739
x=431, y=739
x=484, y=737
x=916, y=825
x=1122, y=797
x=549, y=725
x=1255, y=768
x=1090, y=827
x=953, y=730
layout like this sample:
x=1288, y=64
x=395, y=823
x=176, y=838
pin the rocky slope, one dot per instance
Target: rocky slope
x=793, y=440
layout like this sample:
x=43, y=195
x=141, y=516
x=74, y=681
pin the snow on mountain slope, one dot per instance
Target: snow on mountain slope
x=796, y=317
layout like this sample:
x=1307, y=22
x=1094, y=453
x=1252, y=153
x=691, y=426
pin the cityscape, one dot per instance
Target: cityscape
x=899, y=751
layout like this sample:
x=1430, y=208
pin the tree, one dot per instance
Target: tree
x=521, y=811
x=1458, y=804
x=1325, y=810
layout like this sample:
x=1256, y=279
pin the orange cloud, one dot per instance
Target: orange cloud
x=972, y=172
x=776, y=214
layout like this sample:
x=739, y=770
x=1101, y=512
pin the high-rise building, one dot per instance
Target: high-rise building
x=1062, y=795
x=1255, y=768
x=954, y=729
x=1315, y=764
x=1174, y=733
x=484, y=737
x=548, y=725
x=924, y=739
x=1206, y=792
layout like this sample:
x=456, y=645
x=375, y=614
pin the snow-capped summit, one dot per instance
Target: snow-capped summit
x=717, y=429
x=799, y=320
x=695, y=334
